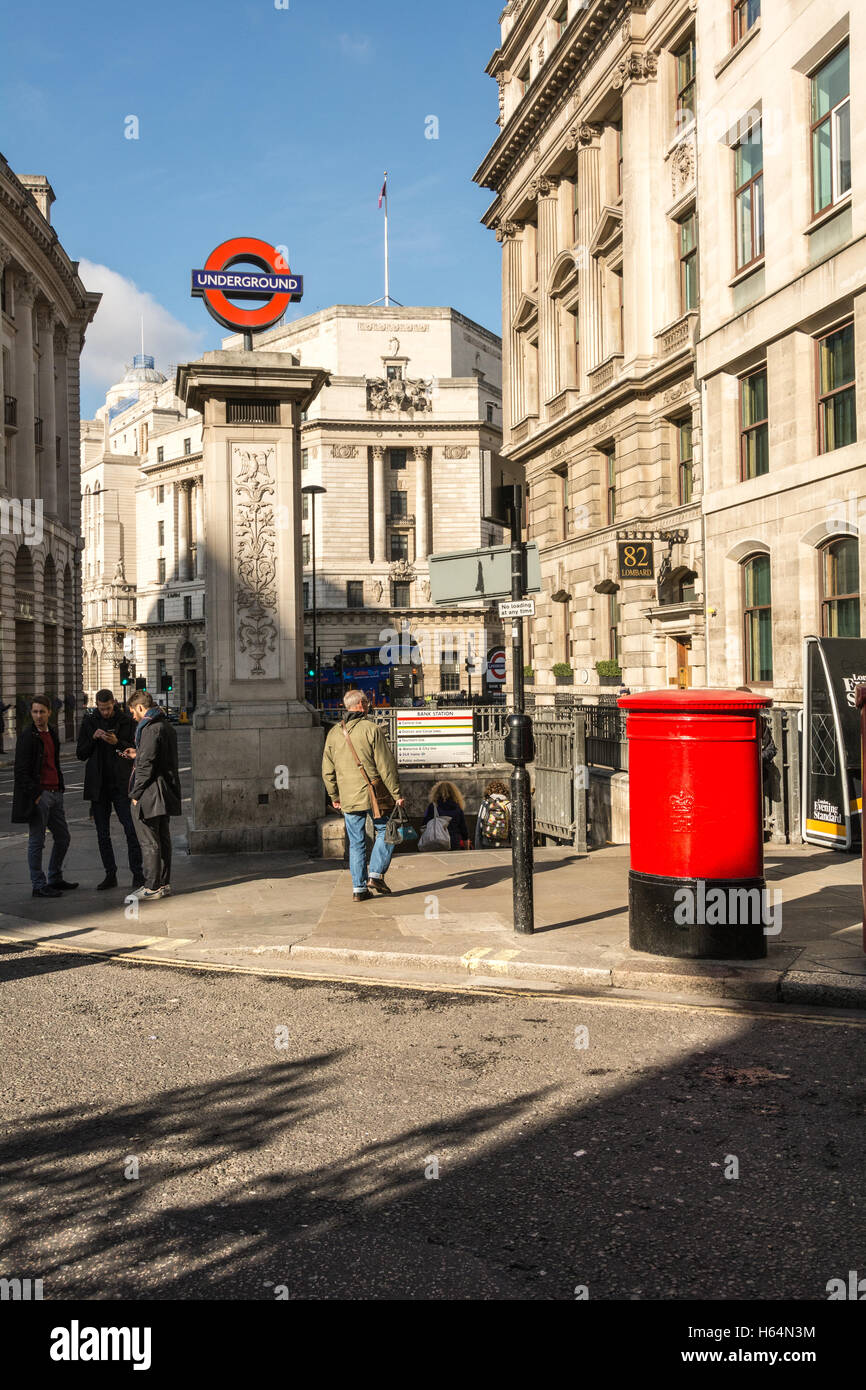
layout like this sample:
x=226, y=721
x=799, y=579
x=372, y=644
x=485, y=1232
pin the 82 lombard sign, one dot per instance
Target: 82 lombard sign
x=270, y=281
x=635, y=560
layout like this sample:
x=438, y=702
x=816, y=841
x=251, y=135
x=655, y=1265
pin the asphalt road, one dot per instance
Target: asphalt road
x=162, y=1139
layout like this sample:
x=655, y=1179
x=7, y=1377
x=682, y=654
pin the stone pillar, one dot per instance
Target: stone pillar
x=548, y=365
x=513, y=395
x=256, y=750
x=61, y=371
x=183, y=557
x=378, y=504
x=47, y=407
x=589, y=211
x=642, y=196
x=422, y=502
x=25, y=446
x=5, y=480
x=199, y=529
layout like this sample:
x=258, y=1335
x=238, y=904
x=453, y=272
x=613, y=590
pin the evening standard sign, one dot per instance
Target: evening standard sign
x=427, y=738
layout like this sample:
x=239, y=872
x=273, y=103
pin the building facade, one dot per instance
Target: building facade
x=594, y=172
x=396, y=440
x=782, y=346
x=44, y=312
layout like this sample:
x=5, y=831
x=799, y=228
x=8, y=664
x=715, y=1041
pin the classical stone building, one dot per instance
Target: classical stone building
x=143, y=527
x=594, y=175
x=44, y=311
x=396, y=439
x=782, y=347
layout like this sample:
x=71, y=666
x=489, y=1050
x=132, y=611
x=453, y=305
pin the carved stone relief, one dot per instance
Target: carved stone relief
x=255, y=548
x=682, y=167
x=344, y=451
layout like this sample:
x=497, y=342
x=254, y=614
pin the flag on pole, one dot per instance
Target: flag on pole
x=384, y=194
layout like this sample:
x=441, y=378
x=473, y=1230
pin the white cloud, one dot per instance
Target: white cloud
x=115, y=334
x=359, y=49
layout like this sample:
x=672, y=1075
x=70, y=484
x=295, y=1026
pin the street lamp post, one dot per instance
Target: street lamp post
x=315, y=490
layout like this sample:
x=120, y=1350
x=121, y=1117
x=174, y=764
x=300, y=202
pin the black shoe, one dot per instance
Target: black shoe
x=47, y=892
x=110, y=881
x=63, y=886
x=137, y=883
x=380, y=885
x=361, y=897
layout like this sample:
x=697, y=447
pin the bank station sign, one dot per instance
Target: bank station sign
x=264, y=279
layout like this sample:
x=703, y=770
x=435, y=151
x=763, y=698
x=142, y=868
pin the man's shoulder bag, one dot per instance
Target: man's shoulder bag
x=382, y=802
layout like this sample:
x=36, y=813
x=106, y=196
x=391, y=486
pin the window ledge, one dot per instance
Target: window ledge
x=829, y=213
x=748, y=271
x=737, y=48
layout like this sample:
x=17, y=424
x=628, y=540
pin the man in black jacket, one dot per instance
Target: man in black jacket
x=106, y=733
x=37, y=799
x=154, y=792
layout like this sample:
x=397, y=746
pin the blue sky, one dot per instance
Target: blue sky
x=254, y=121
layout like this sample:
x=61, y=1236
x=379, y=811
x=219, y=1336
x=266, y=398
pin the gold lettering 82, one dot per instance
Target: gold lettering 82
x=631, y=553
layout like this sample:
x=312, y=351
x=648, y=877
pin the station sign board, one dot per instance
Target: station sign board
x=270, y=282
x=427, y=738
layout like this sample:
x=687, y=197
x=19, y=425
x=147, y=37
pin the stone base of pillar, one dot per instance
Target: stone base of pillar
x=257, y=779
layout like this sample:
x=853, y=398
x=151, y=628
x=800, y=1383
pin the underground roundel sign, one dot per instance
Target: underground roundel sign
x=245, y=268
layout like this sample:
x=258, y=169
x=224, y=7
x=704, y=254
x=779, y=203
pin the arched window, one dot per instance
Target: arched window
x=840, y=588
x=758, y=619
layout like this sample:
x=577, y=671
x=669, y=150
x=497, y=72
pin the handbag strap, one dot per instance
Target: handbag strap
x=373, y=798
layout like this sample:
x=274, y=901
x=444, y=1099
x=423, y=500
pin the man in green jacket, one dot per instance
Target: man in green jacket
x=349, y=790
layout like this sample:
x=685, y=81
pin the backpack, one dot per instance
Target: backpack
x=497, y=824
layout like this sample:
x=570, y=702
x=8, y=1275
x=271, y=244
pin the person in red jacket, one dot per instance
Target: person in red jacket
x=37, y=799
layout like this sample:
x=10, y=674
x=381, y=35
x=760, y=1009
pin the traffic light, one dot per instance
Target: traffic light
x=310, y=666
x=141, y=682
x=167, y=683
x=338, y=663
x=125, y=676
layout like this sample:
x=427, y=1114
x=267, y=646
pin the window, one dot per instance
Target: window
x=560, y=19
x=840, y=588
x=161, y=674
x=564, y=502
x=575, y=212
x=689, y=263
x=576, y=330
x=685, y=462
x=749, y=197
x=160, y=533
x=448, y=680
x=831, y=132
x=160, y=610
x=306, y=594
x=399, y=503
x=160, y=570
x=394, y=372
x=746, y=13
x=187, y=606
x=400, y=596
x=754, y=426
x=610, y=483
x=160, y=494
x=613, y=627
x=397, y=459
x=490, y=412
x=758, y=617
x=523, y=80
x=187, y=446
x=399, y=545
x=618, y=128
x=837, y=398
x=686, y=84
x=305, y=458
x=355, y=593
x=160, y=456
x=305, y=506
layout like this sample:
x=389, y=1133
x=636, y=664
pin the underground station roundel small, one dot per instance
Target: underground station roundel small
x=269, y=282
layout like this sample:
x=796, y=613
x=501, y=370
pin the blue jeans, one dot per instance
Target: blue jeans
x=49, y=815
x=380, y=859
x=102, y=820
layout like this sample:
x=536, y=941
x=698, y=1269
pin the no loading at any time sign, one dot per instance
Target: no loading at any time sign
x=269, y=281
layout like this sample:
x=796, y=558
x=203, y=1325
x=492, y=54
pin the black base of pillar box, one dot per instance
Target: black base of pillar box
x=667, y=917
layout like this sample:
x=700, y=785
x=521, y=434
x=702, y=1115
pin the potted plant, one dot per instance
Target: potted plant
x=563, y=673
x=608, y=672
x=528, y=673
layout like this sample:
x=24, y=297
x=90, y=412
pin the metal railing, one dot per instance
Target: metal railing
x=606, y=743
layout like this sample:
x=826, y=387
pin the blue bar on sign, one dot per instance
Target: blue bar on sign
x=237, y=282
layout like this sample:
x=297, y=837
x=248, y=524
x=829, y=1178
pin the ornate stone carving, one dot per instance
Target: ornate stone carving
x=378, y=452
x=402, y=572
x=541, y=54
x=426, y=590
x=676, y=393
x=45, y=317
x=60, y=341
x=26, y=289
x=456, y=451
x=506, y=230
x=255, y=546
x=397, y=395
x=682, y=167
x=344, y=451
x=378, y=590
x=637, y=67
x=501, y=79
x=544, y=186
x=587, y=133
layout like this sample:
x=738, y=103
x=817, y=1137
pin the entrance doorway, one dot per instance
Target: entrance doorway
x=682, y=676
x=188, y=677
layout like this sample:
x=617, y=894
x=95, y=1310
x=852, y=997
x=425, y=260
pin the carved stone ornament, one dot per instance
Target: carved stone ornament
x=344, y=451
x=637, y=67
x=255, y=547
x=587, y=133
x=456, y=451
x=402, y=572
x=426, y=590
x=676, y=392
x=682, y=167
x=506, y=230
x=378, y=590
x=543, y=186
x=397, y=395
x=500, y=79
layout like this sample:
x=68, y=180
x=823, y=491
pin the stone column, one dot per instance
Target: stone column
x=642, y=196
x=199, y=529
x=589, y=211
x=61, y=370
x=47, y=406
x=182, y=495
x=25, y=448
x=513, y=395
x=548, y=366
x=422, y=501
x=378, y=504
x=5, y=480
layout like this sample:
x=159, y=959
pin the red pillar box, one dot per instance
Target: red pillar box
x=697, y=824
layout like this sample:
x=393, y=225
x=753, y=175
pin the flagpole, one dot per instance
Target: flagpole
x=387, y=253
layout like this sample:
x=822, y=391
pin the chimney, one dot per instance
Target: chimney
x=40, y=189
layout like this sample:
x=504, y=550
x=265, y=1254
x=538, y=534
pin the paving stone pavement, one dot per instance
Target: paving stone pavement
x=449, y=916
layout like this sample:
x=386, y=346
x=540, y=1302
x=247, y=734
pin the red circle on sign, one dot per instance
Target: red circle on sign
x=496, y=664
x=268, y=259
